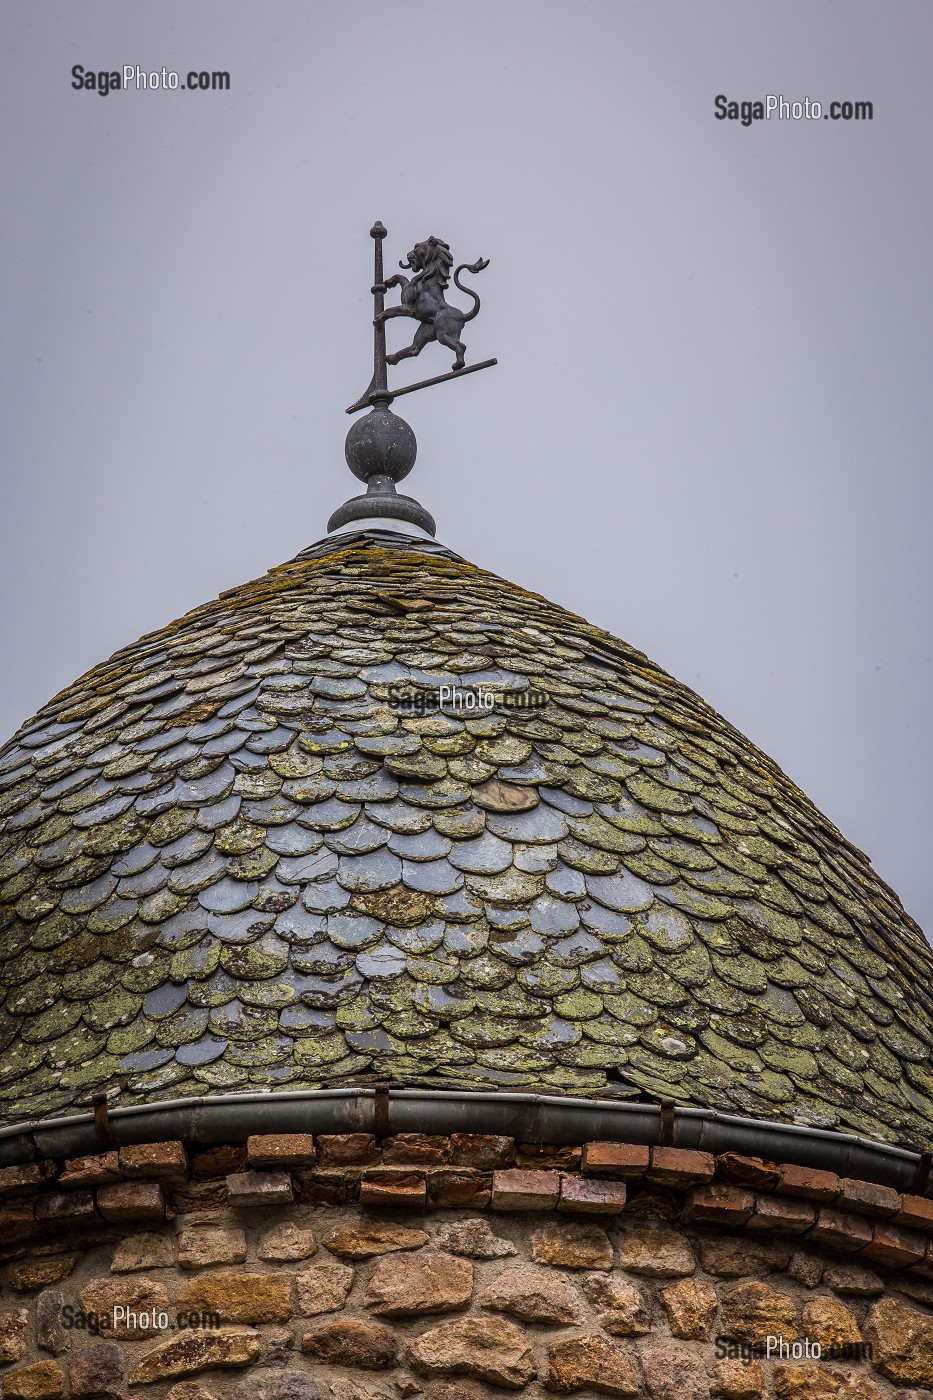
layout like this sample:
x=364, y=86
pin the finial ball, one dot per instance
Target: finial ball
x=380, y=444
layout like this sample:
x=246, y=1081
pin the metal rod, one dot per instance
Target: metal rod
x=380, y=382
x=439, y=378
x=422, y=384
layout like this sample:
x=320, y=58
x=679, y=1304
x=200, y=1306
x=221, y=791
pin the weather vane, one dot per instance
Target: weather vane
x=381, y=447
x=422, y=299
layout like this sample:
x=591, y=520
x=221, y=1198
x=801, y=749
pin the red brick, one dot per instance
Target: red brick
x=622, y=1161
x=246, y=1189
x=678, y=1166
x=347, y=1149
x=91, y=1171
x=17, y=1221
x=420, y=1149
x=24, y=1180
x=916, y=1213
x=894, y=1246
x=547, y=1156
x=867, y=1198
x=198, y=1195
x=225, y=1160
x=482, y=1150
x=68, y=1209
x=155, y=1161
x=844, y=1233
x=334, y=1188
x=389, y=1174
x=397, y=1189
x=459, y=1186
x=719, y=1204
x=591, y=1197
x=131, y=1200
x=280, y=1150
x=525, y=1190
x=774, y=1215
x=809, y=1183
x=747, y=1171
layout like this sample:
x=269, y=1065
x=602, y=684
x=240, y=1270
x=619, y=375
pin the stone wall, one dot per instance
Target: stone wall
x=456, y=1267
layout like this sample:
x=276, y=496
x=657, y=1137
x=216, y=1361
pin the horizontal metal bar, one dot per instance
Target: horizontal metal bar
x=422, y=384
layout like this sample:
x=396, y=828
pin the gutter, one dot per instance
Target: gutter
x=384, y=1110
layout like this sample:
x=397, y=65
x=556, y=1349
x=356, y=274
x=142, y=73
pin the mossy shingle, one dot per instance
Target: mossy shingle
x=229, y=860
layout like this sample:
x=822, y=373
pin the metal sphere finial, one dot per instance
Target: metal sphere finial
x=381, y=444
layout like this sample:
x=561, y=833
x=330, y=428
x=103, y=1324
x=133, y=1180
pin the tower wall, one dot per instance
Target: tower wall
x=346, y=1267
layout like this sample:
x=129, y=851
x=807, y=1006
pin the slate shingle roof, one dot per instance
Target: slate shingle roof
x=227, y=862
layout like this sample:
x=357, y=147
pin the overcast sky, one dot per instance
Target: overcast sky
x=709, y=427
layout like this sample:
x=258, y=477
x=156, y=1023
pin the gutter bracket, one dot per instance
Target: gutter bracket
x=666, y=1127
x=922, y=1179
x=381, y=1110
x=102, y=1124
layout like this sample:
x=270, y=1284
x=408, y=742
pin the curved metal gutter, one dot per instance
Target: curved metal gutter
x=206, y=1121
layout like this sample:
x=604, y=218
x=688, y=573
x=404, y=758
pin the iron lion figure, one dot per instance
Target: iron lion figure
x=423, y=299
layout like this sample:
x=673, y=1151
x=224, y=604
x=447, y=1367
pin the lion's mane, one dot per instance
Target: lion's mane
x=434, y=257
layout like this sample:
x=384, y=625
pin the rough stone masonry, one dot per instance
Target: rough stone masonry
x=292, y=1269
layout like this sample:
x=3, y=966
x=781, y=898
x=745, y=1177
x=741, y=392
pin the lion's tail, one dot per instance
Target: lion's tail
x=470, y=267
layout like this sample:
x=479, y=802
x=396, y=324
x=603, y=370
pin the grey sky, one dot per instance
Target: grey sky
x=708, y=430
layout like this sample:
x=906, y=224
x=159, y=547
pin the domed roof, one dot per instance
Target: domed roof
x=231, y=858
